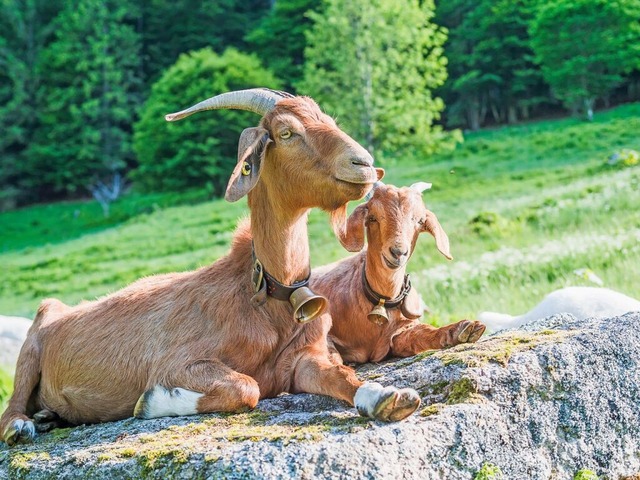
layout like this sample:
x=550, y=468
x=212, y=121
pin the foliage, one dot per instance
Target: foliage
x=585, y=474
x=489, y=471
x=279, y=39
x=585, y=46
x=6, y=387
x=546, y=178
x=374, y=64
x=89, y=99
x=170, y=28
x=624, y=158
x=25, y=30
x=490, y=61
x=201, y=150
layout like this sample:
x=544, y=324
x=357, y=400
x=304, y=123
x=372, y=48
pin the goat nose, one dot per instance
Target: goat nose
x=362, y=161
x=397, y=252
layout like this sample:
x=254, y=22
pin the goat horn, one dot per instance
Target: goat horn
x=257, y=100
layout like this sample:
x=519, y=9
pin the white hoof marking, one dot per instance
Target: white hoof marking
x=368, y=396
x=163, y=402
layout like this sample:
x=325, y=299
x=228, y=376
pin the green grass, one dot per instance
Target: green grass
x=543, y=200
x=6, y=387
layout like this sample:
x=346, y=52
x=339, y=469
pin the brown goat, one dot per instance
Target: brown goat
x=195, y=342
x=393, y=219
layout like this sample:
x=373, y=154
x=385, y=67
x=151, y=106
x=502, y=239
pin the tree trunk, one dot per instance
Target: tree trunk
x=588, y=106
x=473, y=116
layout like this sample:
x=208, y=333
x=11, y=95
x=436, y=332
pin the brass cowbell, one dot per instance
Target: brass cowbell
x=379, y=314
x=306, y=304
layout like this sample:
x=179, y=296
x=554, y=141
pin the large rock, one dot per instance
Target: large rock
x=13, y=331
x=546, y=401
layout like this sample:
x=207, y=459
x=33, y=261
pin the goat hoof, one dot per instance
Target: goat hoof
x=395, y=405
x=477, y=332
x=44, y=416
x=44, y=427
x=387, y=404
x=468, y=331
x=19, y=430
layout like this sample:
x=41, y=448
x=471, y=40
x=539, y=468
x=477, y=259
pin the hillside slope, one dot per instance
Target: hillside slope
x=525, y=207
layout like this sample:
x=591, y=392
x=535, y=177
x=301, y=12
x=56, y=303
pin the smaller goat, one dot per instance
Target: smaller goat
x=581, y=302
x=375, y=310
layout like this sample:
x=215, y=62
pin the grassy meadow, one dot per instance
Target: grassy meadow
x=524, y=207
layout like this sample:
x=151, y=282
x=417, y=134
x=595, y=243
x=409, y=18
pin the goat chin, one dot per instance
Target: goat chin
x=581, y=302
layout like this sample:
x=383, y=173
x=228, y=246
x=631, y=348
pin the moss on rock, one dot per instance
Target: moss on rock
x=489, y=471
x=499, y=349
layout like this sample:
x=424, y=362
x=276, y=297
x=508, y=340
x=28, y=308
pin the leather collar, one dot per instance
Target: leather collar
x=274, y=288
x=375, y=298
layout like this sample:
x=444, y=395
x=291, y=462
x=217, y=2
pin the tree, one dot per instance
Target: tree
x=200, y=150
x=491, y=67
x=374, y=64
x=585, y=46
x=90, y=97
x=279, y=39
x=170, y=28
x=26, y=27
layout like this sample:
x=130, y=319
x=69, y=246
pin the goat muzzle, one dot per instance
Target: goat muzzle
x=307, y=305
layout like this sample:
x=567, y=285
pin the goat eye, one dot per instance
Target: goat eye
x=421, y=222
x=371, y=219
x=285, y=134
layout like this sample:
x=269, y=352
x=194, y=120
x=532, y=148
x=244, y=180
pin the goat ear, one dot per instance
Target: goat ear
x=432, y=225
x=350, y=231
x=251, y=150
x=420, y=186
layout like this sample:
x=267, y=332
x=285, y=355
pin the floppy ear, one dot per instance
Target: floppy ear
x=251, y=150
x=350, y=232
x=432, y=225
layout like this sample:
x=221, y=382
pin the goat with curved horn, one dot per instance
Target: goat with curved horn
x=256, y=100
x=220, y=338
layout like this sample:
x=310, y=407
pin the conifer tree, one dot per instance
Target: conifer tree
x=90, y=98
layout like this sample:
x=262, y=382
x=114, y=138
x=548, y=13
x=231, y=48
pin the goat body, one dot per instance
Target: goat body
x=393, y=219
x=193, y=342
x=581, y=302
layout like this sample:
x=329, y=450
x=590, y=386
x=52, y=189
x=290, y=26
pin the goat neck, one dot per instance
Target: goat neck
x=280, y=236
x=383, y=281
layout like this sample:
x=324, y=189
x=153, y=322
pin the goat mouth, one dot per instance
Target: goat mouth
x=358, y=175
x=392, y=265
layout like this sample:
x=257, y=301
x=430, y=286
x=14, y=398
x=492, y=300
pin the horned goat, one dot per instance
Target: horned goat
x=581, y=302
x=216, y=339
x=375, y=309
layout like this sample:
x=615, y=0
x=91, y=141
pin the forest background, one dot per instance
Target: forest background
x=523, y=114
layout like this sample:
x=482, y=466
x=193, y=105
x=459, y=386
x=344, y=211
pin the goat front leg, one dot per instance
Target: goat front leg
x=423, y=337
x=315, y=373
x=15, y=425
x=202, y=386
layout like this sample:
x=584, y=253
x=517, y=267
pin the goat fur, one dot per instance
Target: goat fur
x=198, y=330
x=392, y=220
